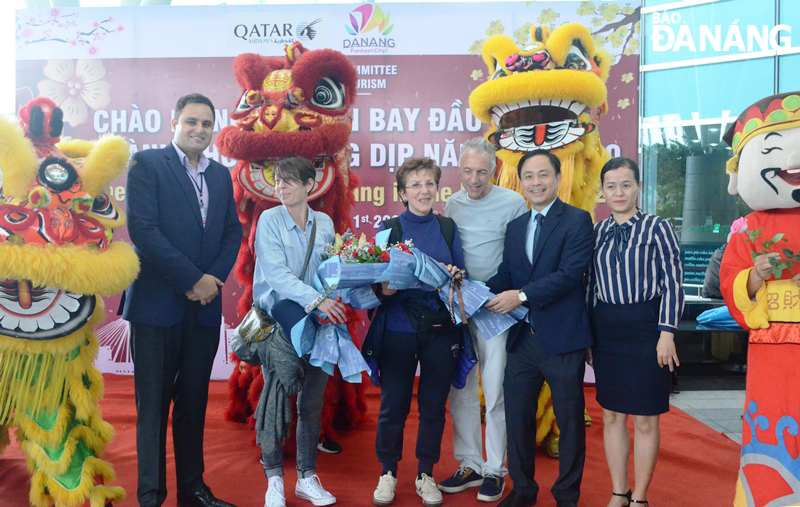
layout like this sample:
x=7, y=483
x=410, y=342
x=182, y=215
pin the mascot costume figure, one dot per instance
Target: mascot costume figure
x=547, y=96
x=56, y=260
x=762, y=293
x=299, y=104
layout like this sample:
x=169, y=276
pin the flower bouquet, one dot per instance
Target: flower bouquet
x=352, y=266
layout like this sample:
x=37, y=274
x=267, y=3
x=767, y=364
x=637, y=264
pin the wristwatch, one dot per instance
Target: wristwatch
x=522, y=297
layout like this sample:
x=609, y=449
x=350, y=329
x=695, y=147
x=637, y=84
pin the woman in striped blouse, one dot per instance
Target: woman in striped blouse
x=636, y=301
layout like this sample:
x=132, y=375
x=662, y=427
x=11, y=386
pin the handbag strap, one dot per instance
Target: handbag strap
x=310, y=248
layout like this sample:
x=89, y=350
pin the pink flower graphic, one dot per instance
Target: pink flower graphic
x=75, y=84
x=739, y=225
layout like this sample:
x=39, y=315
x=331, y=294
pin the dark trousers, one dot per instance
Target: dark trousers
x=437, y=355
x=529, y=365
x=171, y=364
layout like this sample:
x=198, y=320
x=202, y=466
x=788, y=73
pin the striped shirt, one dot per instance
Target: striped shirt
x=638, y=261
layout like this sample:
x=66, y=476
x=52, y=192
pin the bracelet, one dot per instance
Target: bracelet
x=310, y=307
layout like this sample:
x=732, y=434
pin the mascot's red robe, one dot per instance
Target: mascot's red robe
x=764, y=170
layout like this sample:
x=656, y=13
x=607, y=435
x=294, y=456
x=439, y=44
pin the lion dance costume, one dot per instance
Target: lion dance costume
x=56, y=259
x=547, y=96
x=765, y=172
x=299, y=104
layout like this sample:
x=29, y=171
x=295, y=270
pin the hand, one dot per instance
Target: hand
x=665, y=350
x=206, y=289
x=386, y=290
x=506, y=302
x=451, y=269
x=334, y=310
x=589, y=357
x=762, y=269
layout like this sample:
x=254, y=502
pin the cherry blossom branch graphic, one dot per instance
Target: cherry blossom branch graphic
x=64, y=28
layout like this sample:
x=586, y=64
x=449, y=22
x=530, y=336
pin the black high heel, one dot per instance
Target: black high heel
x=627, y=496
x=644, y=503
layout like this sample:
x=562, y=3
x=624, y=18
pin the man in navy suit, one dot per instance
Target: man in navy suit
x=183, y=225
x=546, y=257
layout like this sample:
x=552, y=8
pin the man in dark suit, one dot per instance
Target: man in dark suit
x=547, y=254
x=183, y=225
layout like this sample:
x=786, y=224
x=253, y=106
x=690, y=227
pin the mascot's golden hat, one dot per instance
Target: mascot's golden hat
x=770, y=114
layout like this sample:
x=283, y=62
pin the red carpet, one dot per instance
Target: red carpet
x=697, y=466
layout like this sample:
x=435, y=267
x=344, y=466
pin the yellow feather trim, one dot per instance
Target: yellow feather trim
x=46, y=490
x=544, y=427
x=102, y=495
x=755, y=312
x=561, y=38
x=52, y=437
x=584, y=87
x=31, y=383
x=53, y=359
x=71, y=268
x=106, y=158
x=38, y=454
x=17, y=159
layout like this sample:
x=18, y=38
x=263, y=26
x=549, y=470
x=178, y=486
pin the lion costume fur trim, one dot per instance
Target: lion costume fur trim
x=72, y=268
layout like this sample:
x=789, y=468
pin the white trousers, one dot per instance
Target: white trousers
x=465, y=408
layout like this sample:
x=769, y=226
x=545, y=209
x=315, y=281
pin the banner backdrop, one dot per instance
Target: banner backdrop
x=120, y=71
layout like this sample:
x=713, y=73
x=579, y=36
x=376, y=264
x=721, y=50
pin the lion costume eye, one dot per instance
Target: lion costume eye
x=57, y=174
x=328, y=93
x=250, y=99
x=576, y=59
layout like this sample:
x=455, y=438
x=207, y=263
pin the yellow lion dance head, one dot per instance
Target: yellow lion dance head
x=56, y=259
x=550, y=96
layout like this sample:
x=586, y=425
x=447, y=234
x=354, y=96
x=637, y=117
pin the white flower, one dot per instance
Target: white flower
x=75, y=84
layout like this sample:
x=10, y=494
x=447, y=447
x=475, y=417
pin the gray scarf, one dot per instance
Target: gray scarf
x=283, y=374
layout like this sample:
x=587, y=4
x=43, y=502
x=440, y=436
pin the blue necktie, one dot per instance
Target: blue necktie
x=538, y=218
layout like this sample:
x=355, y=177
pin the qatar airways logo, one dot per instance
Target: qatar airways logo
x=670, y=33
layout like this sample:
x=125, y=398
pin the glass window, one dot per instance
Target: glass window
x=706, y=91
x=789, y=73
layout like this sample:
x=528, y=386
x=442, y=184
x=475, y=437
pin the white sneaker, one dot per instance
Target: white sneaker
x=427, y=490
x=384, y=493
x=311, y=489
x=274, y=496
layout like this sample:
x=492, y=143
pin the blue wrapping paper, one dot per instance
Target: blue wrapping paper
x=327, y=344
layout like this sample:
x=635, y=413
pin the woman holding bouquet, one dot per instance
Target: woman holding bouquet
x=414, y=325
x=290, y=240
x=636, y=303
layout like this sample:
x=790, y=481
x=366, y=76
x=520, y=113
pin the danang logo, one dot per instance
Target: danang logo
x=670, y=33
x=276, y=33
x=364, y=19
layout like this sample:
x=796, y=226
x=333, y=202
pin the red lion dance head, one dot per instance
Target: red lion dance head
x=299, y=104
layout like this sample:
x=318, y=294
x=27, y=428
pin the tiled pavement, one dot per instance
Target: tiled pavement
x=721, y=410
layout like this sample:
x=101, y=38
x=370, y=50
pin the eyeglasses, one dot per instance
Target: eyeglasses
x=418, y=186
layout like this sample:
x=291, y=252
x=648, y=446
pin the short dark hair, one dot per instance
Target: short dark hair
x=294, y=168
x=554, y=161
x=618, y=162
x=193, y=98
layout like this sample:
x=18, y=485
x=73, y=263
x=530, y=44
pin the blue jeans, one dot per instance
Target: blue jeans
x=309, y=411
